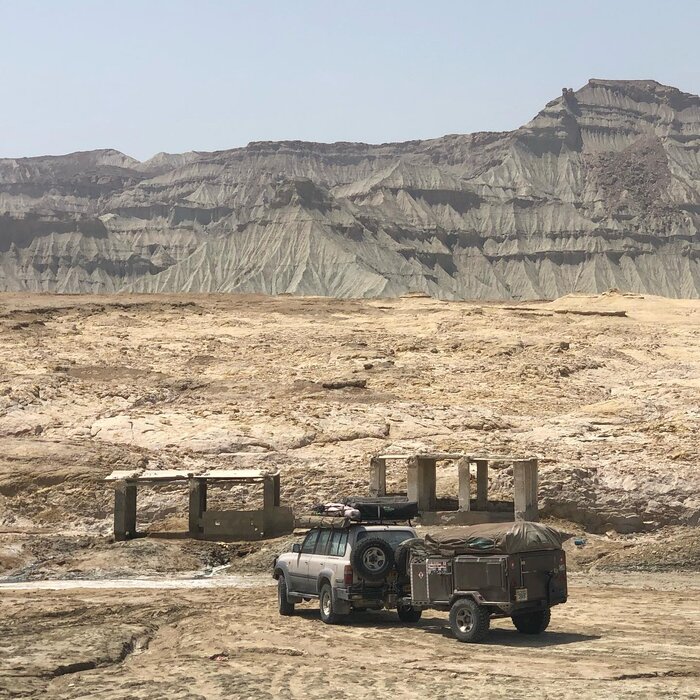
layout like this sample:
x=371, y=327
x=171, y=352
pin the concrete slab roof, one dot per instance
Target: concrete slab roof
x=155, y=475
x=120, y=475
x=457, y=455
x=163, y=474
x=426, y=455
x=235, y=474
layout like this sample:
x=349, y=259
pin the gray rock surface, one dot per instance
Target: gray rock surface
x=601, y=189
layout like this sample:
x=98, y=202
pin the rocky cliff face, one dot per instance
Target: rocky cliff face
x=601, y=189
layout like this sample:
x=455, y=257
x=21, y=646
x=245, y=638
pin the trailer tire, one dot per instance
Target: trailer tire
x=372, y=558
x=469, y=620
x=407, y=613
x=285, y=607
x=532, y=622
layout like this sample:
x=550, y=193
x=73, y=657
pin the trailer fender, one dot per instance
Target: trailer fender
x=477, y=598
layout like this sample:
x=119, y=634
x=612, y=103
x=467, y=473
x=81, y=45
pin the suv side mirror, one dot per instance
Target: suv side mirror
x=296, y=548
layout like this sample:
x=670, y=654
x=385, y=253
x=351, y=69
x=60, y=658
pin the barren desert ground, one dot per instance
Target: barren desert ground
x=604, y=389
x=634, y=637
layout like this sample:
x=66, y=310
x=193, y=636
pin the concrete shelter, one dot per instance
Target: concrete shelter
x=421, y=477
x=270, y=521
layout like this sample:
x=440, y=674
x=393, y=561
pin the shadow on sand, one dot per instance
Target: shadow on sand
x=438, y=625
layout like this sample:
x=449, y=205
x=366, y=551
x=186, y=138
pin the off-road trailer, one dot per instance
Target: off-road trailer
x=515, y=570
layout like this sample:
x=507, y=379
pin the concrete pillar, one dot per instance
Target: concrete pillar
x=421, y=482
x=124, y=510
x=271, y=491
x=525, y=482
x=276, y=501
x=198, y=504
x=412, y=479
x=464, y=484
x=377, y=476
x=430, y=484
x=482, y=484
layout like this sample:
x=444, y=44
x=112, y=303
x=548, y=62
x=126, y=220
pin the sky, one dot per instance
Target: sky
x=144, y=76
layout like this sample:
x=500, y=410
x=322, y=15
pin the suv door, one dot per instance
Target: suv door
x=298, y=569
x=336, y=560
x=317, y=560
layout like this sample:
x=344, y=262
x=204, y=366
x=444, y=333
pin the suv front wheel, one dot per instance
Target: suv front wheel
x=326, y=605
x=285, y=607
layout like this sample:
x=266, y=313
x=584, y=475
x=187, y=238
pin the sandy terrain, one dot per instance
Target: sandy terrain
x=610, y=403
x=624, y=637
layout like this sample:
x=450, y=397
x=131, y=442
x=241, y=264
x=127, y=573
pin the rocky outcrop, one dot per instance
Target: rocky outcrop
x=601, y=189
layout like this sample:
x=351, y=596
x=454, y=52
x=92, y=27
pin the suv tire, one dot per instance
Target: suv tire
x=372, y=558
x=532, y=622
x=407, y=613
x=285, y=607
x=469, y=621
x=326, y=605
x=402, y=557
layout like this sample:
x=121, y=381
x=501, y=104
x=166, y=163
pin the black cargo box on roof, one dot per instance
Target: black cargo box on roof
x=378, y=509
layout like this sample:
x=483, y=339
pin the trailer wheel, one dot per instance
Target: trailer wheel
x=469, y=621
x=407, y=613
x=372, y=558
x=532, y=622
x=285, y=607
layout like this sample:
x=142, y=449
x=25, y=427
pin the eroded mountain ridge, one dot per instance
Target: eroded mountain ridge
x=601, y=189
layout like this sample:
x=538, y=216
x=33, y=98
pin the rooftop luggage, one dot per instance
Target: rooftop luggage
x=491, y=538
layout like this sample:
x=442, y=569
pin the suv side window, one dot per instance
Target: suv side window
x=339, y=540
x=323, y=540
x=309, y=543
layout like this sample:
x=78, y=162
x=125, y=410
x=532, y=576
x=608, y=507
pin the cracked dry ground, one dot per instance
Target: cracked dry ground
x=636, y=637
x=91, y=384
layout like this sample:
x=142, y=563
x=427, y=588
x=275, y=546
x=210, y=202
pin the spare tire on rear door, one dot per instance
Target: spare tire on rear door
x=372, y=558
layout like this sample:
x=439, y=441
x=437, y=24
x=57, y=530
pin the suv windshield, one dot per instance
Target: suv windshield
x=393, y=537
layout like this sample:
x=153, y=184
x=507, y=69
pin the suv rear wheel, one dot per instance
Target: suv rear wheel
x=372, y=558
x=407, y=613
x=326, y=606
x=402, y=556
x=532, y=622
x=469, y=621
x=285, y=607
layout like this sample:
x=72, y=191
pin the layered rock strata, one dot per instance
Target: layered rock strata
x=601, y=189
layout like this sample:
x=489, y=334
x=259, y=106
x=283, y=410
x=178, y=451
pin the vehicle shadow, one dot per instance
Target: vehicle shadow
x=513, y=638
x=438, y=625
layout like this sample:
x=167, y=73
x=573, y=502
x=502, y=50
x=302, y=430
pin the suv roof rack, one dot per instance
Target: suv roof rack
x=371, y=511
x=336, y=522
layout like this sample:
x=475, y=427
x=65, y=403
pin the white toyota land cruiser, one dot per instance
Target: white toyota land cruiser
x=347, y=567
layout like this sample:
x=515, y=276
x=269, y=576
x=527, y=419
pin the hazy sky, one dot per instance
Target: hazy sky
x=145, y=76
